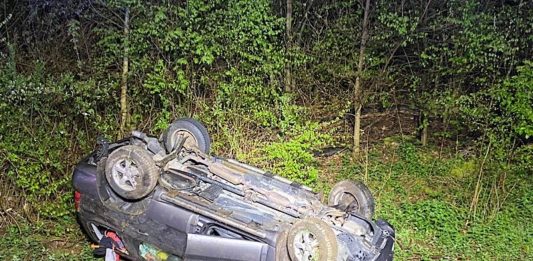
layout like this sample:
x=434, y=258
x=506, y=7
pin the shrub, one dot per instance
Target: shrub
x=293, y=158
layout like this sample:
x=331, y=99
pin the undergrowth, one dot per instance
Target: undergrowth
x=293, y=157
x=425, y=193
x=45, y=240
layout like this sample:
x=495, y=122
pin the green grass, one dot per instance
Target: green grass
x=427, y=199
x=45, y=240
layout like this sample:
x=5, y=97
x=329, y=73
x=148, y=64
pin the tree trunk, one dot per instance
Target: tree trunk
x=124, y=78
x=424, y=121
x=358, y=89
x=288, y=45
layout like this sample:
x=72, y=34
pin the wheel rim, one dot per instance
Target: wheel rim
x=190, y=140
x=347, y=199
x=125, y=174
x=305, y=246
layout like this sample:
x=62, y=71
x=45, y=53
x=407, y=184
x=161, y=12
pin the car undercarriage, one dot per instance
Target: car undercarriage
x=170, y=192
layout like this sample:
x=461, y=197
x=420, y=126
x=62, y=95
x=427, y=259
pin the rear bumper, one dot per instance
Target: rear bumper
x=84, y=179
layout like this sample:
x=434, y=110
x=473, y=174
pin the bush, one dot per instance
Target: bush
x=46, y=122
x=293, y=157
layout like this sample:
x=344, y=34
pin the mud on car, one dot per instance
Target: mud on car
x=167, y=198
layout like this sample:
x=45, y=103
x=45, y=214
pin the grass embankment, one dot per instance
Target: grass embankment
x=425, y=193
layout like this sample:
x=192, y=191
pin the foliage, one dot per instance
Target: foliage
x=44, y=241
x=293, y=158
x=429, y=207
x=514, y=98
x=464, y=64
x=181, y=51
x=37, y=136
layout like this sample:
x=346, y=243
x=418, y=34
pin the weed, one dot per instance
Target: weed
x=426, y=197
x=45, y=241
x=293, y=158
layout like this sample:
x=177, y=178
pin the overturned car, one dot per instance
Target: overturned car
x=167, y=199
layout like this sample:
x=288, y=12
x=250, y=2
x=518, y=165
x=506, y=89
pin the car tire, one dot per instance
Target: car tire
x=131, y=172
x=353, y=197
x=312, y=239
x=193, y=130
x=282, y=252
